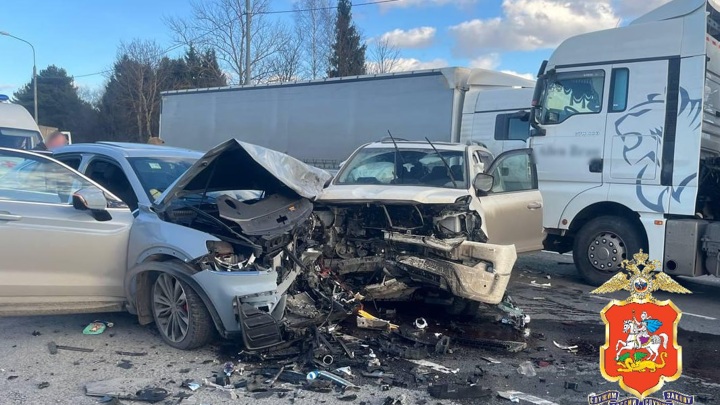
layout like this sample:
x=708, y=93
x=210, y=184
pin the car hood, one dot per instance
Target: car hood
x=236, y=165
x=354, y=194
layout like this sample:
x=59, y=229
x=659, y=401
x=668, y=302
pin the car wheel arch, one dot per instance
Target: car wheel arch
x=139, y=281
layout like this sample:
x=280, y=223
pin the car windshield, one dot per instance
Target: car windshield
x=417, y=167
x=157, y=173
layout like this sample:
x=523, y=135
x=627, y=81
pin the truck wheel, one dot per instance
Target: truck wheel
x=602, y=244
x=180, y=315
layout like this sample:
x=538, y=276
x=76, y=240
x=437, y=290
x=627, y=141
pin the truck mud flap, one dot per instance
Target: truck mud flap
x=259, y=329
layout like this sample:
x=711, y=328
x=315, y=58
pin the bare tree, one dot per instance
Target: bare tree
x=137, y=74
x=384, y=57
x=314, y=26
x=287, y=63
x=221, y=25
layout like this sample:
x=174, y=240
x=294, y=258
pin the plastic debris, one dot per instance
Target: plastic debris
x=516, y=396
x=526, y=368
x=345, y=370
x=192, y=385
x=97, y=327
x=491, y=360
x=43, y=385
x=538, y=285
x=443, y=345
x=437, y=367
x=420, y=323
x=571, y=349
x=366, y=320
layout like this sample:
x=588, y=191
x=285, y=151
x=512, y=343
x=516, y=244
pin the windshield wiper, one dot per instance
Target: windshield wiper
x=447, y=166
x=397, y=153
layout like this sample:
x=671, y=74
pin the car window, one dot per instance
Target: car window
x=111, y=176
x=156, y=174
x=38, y=179
x=513, y=172
x=72, y=161
x=419, y=167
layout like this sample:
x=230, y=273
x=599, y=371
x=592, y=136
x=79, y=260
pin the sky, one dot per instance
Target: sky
x=82, y=36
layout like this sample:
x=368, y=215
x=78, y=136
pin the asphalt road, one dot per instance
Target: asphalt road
x=563, y=312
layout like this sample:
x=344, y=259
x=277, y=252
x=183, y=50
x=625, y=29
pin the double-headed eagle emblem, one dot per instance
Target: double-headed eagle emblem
x=641, y=280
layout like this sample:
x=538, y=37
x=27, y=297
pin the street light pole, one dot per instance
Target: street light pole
x=35, y=97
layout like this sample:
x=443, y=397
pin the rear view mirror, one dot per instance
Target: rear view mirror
x=483, y=182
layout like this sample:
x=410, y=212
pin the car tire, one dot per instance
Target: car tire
x=602, y=244
x=180, y=314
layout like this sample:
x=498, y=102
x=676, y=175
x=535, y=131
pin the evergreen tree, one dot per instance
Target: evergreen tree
x=59, y=104
x=348, y=54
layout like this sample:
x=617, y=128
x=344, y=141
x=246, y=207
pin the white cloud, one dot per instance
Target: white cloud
x=407, y=64
x=420, y=37
x=532, y=24
x=416, y=3
x=528, y=76
x=490, y=61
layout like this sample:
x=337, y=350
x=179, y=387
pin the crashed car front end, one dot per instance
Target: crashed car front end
x=409, y=250
x=237, y=219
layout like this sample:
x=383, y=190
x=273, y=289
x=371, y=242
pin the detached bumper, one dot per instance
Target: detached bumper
x=485, y=281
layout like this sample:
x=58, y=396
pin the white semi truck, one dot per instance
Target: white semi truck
x=18, y=130
x=323, y=121
x=626, y=139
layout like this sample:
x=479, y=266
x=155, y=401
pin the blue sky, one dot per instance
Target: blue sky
x=512, y=35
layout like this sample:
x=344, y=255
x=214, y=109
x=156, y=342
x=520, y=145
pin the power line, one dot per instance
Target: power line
x=172, y=48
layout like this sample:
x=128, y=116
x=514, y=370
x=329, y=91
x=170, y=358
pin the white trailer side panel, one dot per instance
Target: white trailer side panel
x=319, y=120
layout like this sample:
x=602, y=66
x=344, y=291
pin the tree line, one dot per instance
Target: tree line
x=322, y=41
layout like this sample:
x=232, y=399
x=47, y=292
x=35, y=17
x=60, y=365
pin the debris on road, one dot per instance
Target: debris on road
x=526, y=368
x=517, y=396
x=332, y=377
x=97, y=327
x=54, y=347
x=132, y=354
x=43, y=385
x=437, y=367
x=538, y=285
x=491, y=360
x=571, y=349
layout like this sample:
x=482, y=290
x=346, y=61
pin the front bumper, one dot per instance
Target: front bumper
x=485, y=281
x=250, y=304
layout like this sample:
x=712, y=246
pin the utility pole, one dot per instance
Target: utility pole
x=34, y=71
x=248, y=20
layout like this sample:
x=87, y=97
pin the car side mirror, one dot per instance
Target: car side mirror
x=483, y=183
x=93, y=200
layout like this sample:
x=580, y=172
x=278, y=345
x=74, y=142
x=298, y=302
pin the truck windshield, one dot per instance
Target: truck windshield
x=18, y=138
x=158, y=173
x=417, y=167
x=566, y=94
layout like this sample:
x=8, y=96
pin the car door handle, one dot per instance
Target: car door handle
x=535, y=205
x=6, y=216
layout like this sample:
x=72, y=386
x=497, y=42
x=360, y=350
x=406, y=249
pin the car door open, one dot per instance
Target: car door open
x=513, y=205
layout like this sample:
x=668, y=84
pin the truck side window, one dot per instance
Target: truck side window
x=619, y=82
x=573, y=93
x=510, y=127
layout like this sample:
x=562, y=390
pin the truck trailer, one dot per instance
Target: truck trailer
x=626, y=139
x=322, y=121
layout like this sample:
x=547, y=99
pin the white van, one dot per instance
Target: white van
x=18, y=130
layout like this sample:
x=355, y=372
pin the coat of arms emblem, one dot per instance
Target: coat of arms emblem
x=641, y=351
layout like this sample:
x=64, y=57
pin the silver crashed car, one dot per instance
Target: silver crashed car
x=191, y=242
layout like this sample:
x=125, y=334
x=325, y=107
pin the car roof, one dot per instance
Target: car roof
x=129, y=150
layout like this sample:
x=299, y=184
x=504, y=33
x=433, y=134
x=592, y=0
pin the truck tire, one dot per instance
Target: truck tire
x=602, y=244
x=180, y=314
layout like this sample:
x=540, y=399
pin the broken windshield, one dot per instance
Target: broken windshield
x=418, y=167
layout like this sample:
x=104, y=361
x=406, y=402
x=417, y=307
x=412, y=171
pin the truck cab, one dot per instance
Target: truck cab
x=626, y=140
